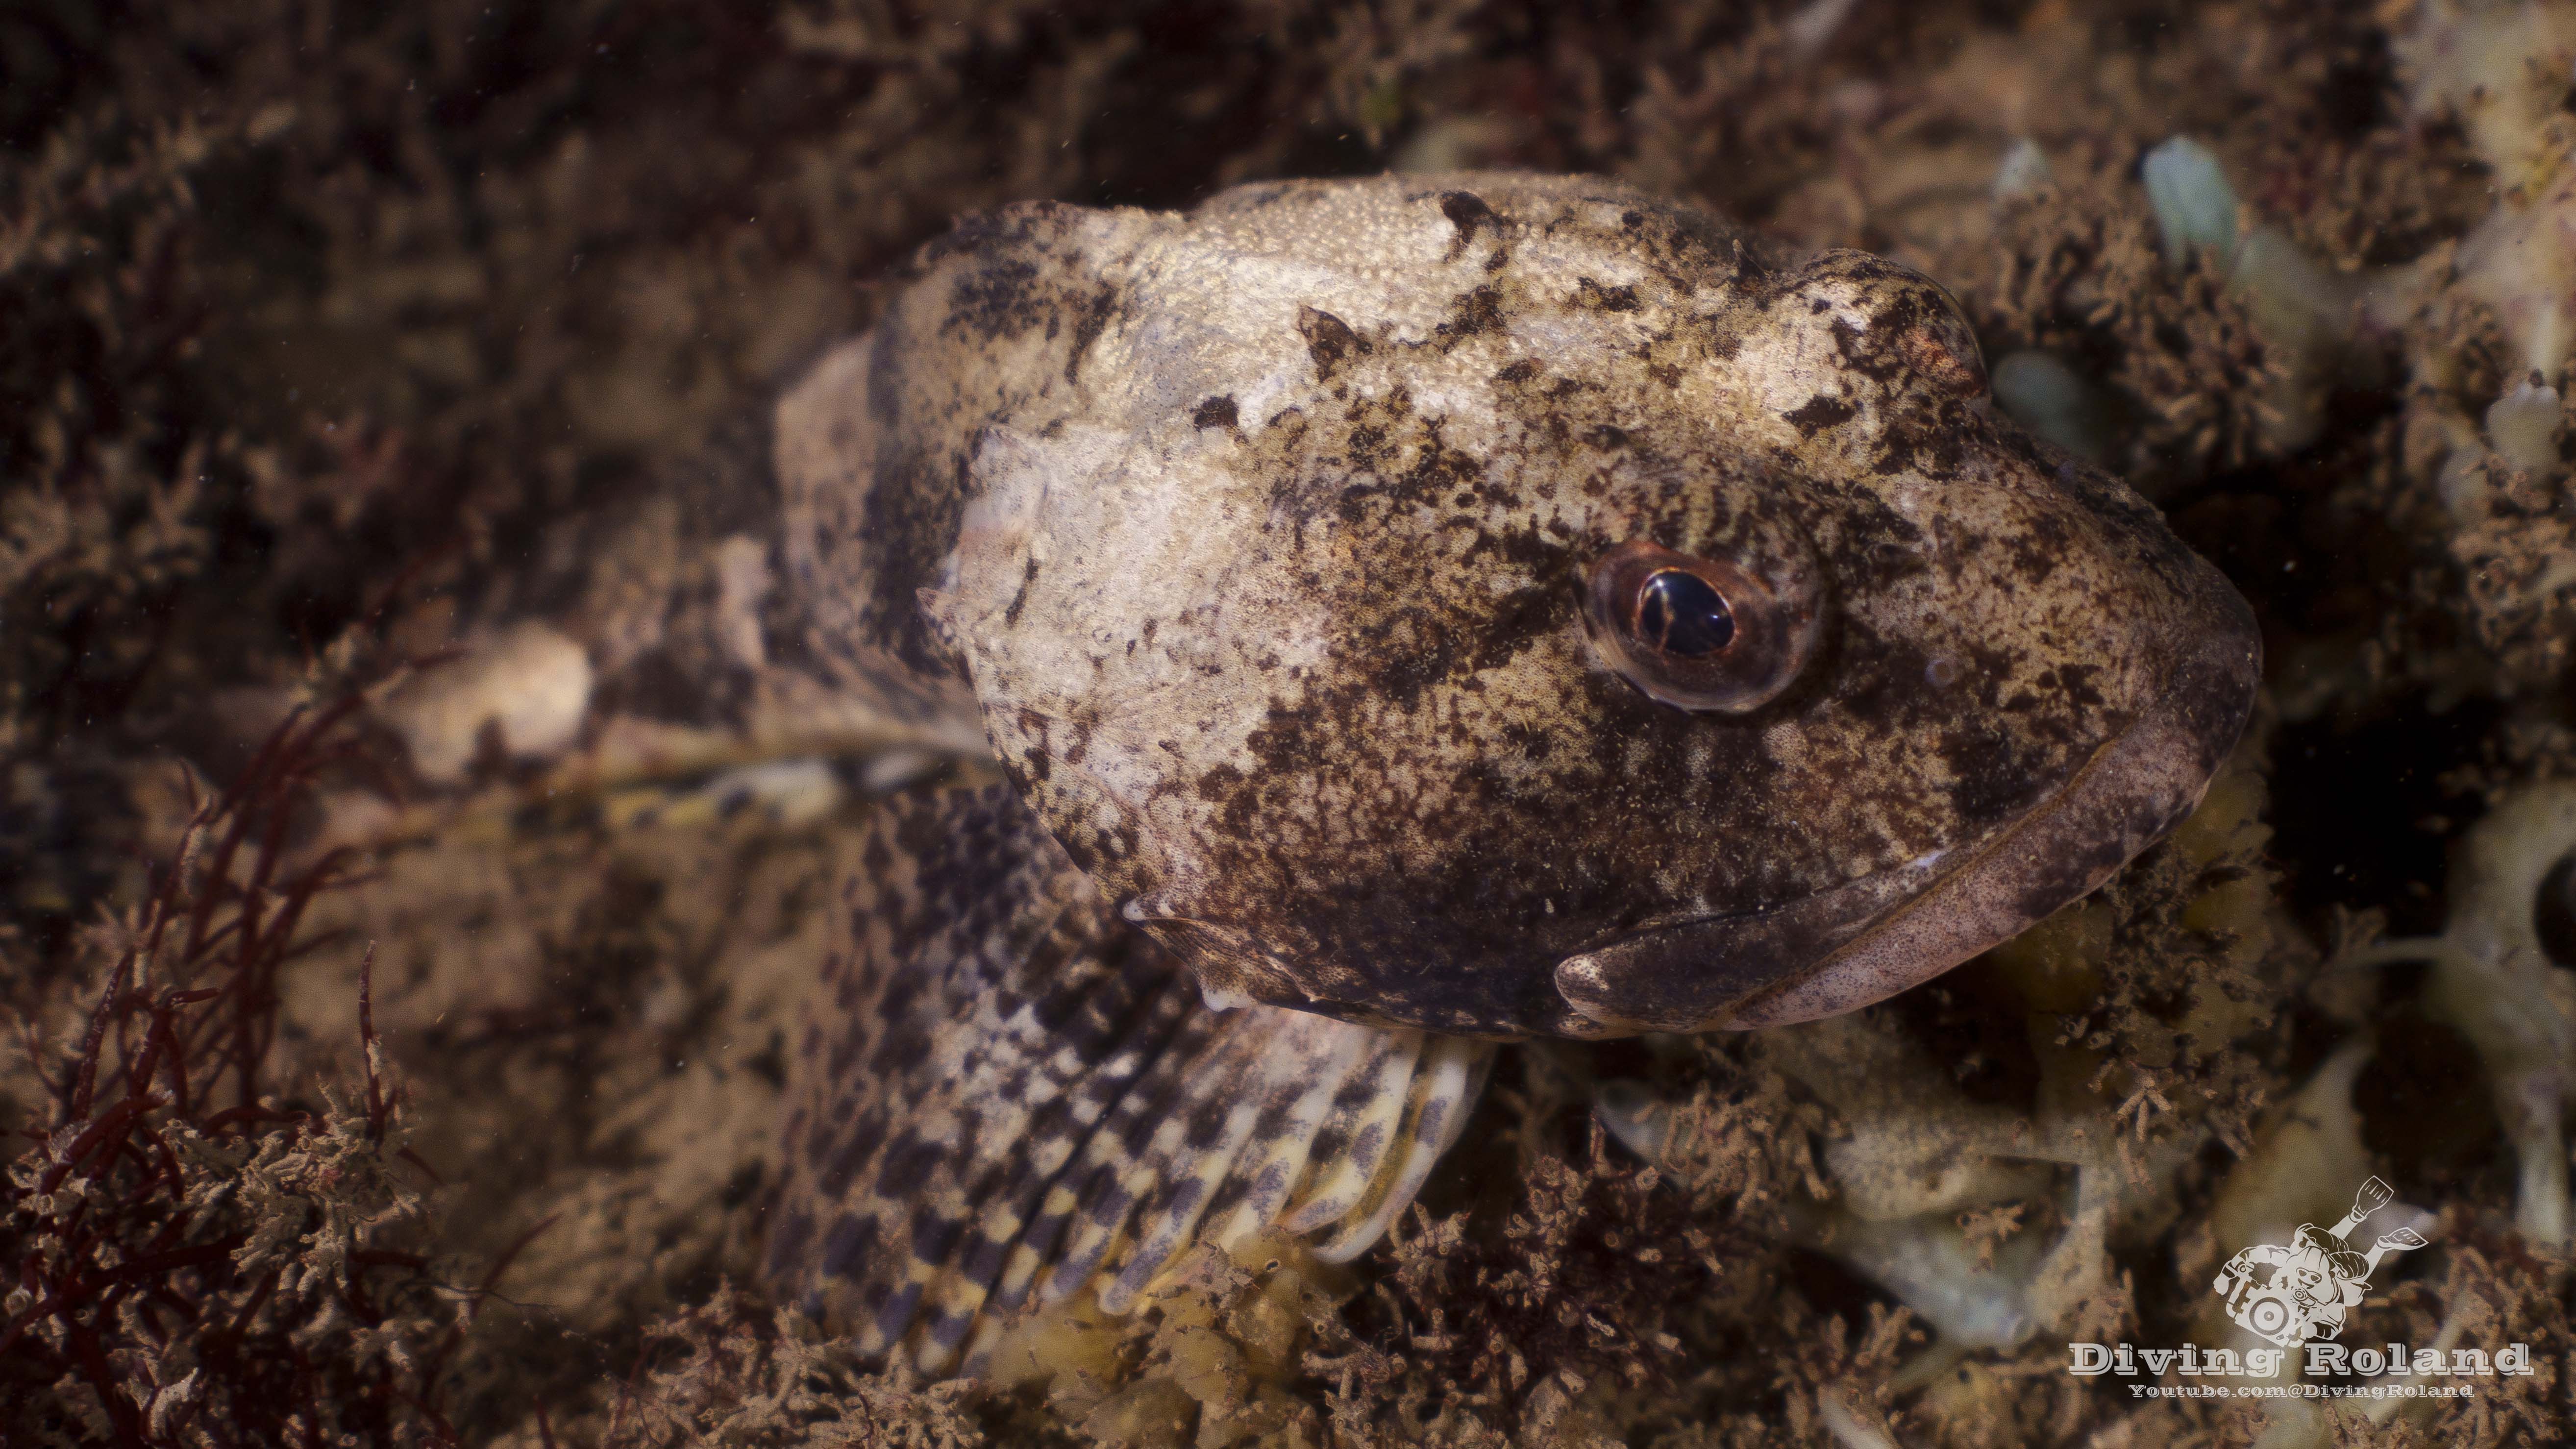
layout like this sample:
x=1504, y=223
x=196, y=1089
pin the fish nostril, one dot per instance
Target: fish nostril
x=1946, y=356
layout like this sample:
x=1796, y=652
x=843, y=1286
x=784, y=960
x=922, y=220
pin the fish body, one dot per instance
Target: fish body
x=1413, y=613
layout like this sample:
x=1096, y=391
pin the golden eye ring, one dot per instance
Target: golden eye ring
x=1701, y=634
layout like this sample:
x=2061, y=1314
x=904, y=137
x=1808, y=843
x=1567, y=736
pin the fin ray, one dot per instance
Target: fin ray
x=1005, y=1094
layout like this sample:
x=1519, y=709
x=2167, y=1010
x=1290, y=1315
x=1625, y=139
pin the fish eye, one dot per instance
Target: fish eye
x=1697, y=633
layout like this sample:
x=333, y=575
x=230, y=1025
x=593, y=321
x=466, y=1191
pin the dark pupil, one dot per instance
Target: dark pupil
x=2553, y=913
x=1678, y=613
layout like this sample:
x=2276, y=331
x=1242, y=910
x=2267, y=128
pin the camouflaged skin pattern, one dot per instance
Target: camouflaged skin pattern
x=1257, y=536
x=1004, y=1093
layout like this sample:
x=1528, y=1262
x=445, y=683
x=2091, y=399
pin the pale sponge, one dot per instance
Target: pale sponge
x=528, y=682
x=2503, y=71
x=2493, y=980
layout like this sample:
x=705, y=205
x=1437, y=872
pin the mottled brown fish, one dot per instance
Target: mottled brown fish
x=1414, y=613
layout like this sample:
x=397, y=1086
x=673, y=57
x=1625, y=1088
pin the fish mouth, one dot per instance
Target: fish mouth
x=1868, y=940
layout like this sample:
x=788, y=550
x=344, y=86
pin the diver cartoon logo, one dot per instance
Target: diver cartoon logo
x=2295, y=1292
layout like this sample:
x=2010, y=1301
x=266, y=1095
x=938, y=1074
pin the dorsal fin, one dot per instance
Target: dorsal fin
x=1005, y=1094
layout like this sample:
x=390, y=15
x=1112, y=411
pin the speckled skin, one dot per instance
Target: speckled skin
x=1004, y=1095
x=1257, y=539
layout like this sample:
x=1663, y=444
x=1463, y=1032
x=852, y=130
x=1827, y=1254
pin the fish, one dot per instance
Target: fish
x=1408, y=615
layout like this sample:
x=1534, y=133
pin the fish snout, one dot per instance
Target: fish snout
x=2199, y=665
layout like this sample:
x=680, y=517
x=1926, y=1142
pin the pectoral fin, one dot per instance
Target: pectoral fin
x=1006, y=1094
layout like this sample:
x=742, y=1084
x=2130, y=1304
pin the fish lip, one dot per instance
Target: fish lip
x=1866, y=941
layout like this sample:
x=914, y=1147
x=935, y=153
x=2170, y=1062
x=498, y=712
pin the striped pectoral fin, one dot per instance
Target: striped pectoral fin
x=1006, y=1095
